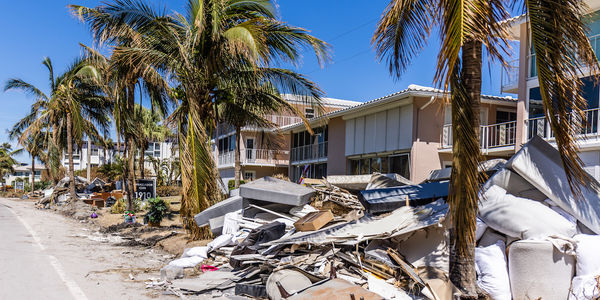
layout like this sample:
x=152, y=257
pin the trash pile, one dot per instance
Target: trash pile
x=381, y=236
x=96, y=193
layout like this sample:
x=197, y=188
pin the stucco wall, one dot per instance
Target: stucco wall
x=336, y=158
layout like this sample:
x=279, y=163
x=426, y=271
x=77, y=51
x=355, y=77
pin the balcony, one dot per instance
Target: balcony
x=256, y=157
x=309, y=153
x=510, y=78
x=541, y=127
x=493, y=138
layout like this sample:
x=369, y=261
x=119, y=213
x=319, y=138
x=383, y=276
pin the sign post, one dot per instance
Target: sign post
x=145, y=189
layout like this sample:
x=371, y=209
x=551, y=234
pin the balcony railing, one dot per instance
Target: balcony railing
x=309, y=152
x=255, y=156
x=510, y=76
x=491, y=136
x=541, y=127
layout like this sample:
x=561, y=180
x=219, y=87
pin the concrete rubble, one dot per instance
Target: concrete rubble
x=383, y=237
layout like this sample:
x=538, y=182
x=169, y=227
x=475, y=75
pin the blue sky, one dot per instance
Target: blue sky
x=31, y=30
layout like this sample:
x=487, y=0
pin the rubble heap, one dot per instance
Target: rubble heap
x=389, y=238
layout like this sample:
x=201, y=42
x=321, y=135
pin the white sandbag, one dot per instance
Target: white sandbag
x=187, y=262
x=520, y=217
x=588, y=254
x=196, y=251
x=561, y=212
x=584, y=288
x=230, y=223
x=492, y=273
x=481, y=227
x=491, y=237
x=220, y=241
x=537, y=270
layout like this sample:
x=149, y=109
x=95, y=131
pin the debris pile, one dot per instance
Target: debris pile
x=381, y=236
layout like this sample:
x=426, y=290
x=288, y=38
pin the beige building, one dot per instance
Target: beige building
x=408, y=133
x=265, y=152
x=521, y=78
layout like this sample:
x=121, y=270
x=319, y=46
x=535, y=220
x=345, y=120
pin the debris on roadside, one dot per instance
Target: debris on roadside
x=389, y=238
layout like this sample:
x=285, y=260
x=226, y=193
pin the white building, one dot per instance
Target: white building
x=98, y=156
x=23, y=171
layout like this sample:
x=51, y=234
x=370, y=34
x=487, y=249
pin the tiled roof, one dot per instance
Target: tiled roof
x=411, y=90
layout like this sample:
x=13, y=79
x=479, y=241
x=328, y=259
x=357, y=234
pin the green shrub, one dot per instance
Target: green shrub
x=168, y=190
x=157, y=208
x=121, y=205
x=231, y=184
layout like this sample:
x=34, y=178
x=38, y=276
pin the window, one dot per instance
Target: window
x=250, y=148
x=94, y=152
x=249, y=175
x=398, y=163
x=309, y=113
x=505, y=116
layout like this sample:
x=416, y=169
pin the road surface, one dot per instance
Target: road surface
x=46, y=256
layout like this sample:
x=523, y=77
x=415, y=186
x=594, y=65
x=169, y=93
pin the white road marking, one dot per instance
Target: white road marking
x=74, y=289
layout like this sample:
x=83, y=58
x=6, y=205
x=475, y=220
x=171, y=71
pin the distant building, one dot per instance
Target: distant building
x=264, y=152
x=23, y=172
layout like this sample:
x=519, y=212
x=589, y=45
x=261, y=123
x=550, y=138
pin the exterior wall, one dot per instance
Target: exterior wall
x=336, y=158
x=427, y=130
x=380, y=131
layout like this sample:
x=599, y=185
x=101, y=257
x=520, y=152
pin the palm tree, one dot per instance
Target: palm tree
x=119, y=81
x=34, y=145
x=215, y=41
x=6, y=162
x=42, y=101
x=464, y=28
x=74, y=106
x=152, y=129
x=249, y=107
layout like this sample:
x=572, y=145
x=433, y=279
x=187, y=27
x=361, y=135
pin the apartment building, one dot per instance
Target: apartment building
x=265, y=151
x=98, y=155
x=22, y=172
x=521, y=78
x=408, y=133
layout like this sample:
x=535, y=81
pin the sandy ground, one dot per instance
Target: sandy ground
x=88, y=259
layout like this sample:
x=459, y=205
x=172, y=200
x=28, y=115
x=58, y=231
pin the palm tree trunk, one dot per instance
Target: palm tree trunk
x=238, y=166
x=466, y=97
x=142, y=159
x=89, y=158
x=131, y=173
x=32, y=173
x=70, y=153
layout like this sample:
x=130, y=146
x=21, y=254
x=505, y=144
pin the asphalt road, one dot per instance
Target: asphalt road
x=47, y=256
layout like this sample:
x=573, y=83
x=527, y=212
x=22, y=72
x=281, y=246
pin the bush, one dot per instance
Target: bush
x=157, y=208
x=168, y=190
x=121, y=205
x=231, y=184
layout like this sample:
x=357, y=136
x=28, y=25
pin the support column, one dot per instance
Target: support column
x=522, y=104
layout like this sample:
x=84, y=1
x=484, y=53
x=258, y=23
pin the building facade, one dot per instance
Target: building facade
x=408, y=133
x=22, y=172
x=265, y=152
x=521, y=78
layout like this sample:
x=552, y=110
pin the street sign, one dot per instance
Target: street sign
x=145, y=189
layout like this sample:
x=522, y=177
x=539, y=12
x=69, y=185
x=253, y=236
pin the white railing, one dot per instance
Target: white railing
x=309, y=152
x=491, y=136
x=510, y=76
x=541, y=127
x=283, y=120
x=255, y=156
